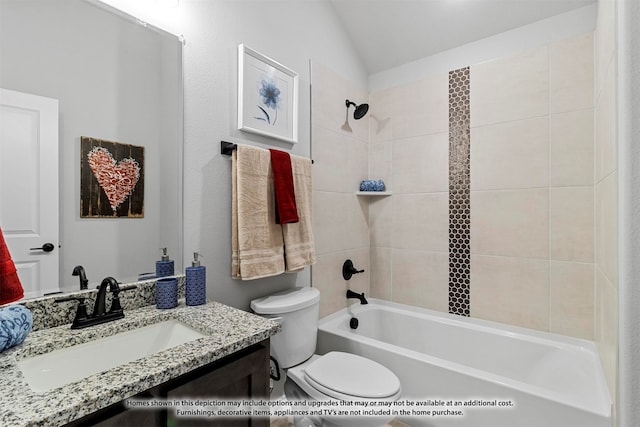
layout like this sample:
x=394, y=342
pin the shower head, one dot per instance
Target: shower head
x=361, y=110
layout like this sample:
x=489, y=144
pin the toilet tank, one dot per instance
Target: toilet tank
x=297, y=311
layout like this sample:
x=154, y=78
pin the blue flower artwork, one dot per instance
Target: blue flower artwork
x=267, y=96
x=271, y=99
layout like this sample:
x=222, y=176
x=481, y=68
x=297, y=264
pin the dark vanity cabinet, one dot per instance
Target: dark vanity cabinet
x=242, y=375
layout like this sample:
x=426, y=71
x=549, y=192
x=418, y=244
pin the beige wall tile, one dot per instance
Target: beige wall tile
x=329, y=110
x=605, y=128
x=381, y=112
x=356, y=165
x=420, y=279
x=359, y=127
x=357, y=213
x=510, y=222
x=510, y=155
x=511, y=88
x=421, y=221
x=510, y=290
x=571, y=296
x=571, y=146
x=571, y=217
x=422, y=107
x=330, y=171
x=327, y=278
x=607, y=228
x=381, y=280
x=421, y=164
x=339, y=222
x=380, y=221
x=606, y=328
x=381, y=162
x=571, y=74
x=604, y=40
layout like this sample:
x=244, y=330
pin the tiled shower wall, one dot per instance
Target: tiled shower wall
x=542, y=193
x=531, y=190
x=606, y=184
x=340, y=150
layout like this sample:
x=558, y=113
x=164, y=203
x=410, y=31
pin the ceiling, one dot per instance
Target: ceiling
x=389, y=33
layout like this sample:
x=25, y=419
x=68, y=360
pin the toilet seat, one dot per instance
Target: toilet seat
x=348, y=376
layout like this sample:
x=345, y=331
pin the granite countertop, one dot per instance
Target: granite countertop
x=228, y=330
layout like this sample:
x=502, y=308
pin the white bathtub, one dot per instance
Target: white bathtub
x=553, y=381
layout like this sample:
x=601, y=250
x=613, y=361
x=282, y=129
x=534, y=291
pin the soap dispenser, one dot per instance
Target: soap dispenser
x=164, y=267
x=196, y=286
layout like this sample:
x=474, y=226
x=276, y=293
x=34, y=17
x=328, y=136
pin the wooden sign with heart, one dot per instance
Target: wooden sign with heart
x=111, y=179
x=117, y=179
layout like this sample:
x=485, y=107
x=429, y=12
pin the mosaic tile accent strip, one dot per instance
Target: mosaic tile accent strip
x=459, y=191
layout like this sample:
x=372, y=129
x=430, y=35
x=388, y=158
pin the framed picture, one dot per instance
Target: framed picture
x=111, y=179
x=267, y=96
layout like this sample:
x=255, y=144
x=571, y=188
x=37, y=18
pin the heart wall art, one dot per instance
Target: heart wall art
x=111, y=179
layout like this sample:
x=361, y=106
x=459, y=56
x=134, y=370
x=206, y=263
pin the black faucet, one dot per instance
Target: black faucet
x=99, y=308
x=351, y=294
x=78, y=270
x=100, y=313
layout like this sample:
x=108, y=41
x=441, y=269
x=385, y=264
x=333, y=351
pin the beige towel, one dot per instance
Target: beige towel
x=256, y=239
x=299, y=249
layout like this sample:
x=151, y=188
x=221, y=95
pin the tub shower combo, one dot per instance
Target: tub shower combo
x=551, y=380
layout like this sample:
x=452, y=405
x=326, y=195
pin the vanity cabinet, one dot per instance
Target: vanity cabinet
x=242, y=375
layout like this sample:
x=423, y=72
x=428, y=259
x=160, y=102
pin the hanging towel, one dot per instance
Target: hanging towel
x=10, y=286
x=299, y=248
x=256, y=239
x=286, y=211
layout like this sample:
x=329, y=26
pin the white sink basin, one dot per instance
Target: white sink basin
x=60, y=367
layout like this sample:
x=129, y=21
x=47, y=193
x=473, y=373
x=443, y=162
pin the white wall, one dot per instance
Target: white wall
x=292, y=33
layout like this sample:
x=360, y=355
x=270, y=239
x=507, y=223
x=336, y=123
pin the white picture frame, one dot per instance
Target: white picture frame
x=267, y=96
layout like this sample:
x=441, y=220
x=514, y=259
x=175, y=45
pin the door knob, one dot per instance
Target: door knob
x=47, y=247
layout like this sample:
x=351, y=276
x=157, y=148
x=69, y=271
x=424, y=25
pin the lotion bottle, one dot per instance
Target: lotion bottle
x=164, y=267
x=196, y=285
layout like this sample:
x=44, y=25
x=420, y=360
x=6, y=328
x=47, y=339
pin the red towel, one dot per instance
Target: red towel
x=286, y=210
x=10, y=286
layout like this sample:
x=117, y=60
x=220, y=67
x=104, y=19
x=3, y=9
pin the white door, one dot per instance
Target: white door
x=29, y=187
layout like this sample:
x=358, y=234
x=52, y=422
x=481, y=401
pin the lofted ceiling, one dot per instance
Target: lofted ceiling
x=389, y=33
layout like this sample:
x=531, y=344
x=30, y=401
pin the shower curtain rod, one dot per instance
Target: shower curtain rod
x=226, y=148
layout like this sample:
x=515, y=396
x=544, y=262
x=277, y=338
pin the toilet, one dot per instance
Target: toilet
x=335, y=376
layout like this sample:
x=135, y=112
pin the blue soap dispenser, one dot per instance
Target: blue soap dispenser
x=196, y=286
x=164, y=267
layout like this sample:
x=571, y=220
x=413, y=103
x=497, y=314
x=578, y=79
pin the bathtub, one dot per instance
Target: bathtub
x=495, y=375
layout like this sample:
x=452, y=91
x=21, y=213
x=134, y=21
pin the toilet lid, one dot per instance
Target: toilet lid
x=286, y=301
x=337, y=374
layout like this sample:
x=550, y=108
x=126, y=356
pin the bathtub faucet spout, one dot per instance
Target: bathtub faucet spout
x=351, y=294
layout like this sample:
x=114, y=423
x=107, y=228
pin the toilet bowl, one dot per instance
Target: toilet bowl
x=334, y=377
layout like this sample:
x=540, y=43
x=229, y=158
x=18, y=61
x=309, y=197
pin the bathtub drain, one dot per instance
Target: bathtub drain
x=353, y=323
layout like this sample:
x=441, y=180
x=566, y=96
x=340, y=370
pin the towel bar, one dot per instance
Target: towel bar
x=226, y=148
